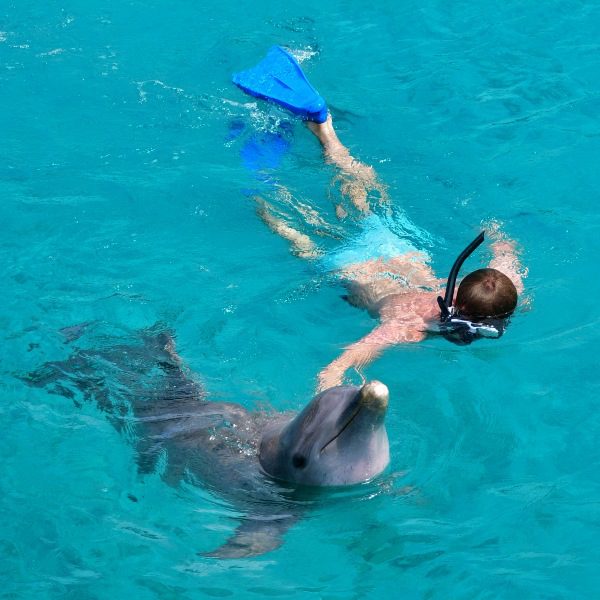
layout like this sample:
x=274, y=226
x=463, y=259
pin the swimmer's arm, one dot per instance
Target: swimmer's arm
x=367, y=349
x=506, y=259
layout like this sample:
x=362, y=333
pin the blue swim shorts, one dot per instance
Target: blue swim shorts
x=376, y=240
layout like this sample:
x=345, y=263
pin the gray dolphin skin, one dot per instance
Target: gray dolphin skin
x=265, y=464
x=338, y=439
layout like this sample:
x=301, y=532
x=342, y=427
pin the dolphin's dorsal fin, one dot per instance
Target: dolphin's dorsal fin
x=255, y=536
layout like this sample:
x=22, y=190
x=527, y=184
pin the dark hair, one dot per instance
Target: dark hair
x=486, y=293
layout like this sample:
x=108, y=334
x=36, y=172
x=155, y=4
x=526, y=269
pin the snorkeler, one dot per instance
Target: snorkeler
x=395, y=284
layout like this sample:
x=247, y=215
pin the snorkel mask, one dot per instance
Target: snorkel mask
x=452, y=326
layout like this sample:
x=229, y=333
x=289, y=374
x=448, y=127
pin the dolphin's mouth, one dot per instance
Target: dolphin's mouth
x=337, y=435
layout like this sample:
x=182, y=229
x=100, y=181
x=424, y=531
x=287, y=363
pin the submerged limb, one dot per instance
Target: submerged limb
x=310, y=215
x=255, y=536
x=368, y=348
x=300, y=244
x=356, y=179
x=506, y=256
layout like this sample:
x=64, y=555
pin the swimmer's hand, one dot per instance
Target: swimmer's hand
x=361, y=353
x=505, y=255
x=331, y=376
x=501, y=243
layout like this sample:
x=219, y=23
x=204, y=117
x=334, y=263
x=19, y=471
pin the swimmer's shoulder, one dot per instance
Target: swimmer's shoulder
x=418, y=305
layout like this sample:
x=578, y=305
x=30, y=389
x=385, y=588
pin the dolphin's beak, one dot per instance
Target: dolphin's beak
x=374, y=396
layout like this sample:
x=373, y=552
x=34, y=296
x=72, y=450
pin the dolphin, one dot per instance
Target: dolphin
x=261, y=462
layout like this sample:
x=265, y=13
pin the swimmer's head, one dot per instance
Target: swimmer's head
x=484, y=302
x=485, y=294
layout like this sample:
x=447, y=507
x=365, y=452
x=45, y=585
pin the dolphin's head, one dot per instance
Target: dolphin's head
x=338, y=439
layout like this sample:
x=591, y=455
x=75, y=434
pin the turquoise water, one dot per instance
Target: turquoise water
x=125, y=204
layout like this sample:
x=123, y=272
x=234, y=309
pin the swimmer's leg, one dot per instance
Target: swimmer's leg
x=309, y=214
x=356, y=179
x=300, y=244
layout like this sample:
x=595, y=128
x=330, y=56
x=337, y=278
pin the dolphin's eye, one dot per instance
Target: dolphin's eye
x=299, y=461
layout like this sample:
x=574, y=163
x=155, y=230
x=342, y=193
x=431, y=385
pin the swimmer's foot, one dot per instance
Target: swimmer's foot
x=326, y=134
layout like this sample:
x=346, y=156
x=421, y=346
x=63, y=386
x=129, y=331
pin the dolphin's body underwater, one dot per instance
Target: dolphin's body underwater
x=256, y=460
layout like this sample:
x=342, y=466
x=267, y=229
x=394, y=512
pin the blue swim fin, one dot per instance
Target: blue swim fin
x=279, y=78
x=264, y=151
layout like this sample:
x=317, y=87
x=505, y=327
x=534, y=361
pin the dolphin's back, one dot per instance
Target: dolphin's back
x=147, y=394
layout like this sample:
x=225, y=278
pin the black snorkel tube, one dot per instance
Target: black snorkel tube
x=445, y=303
